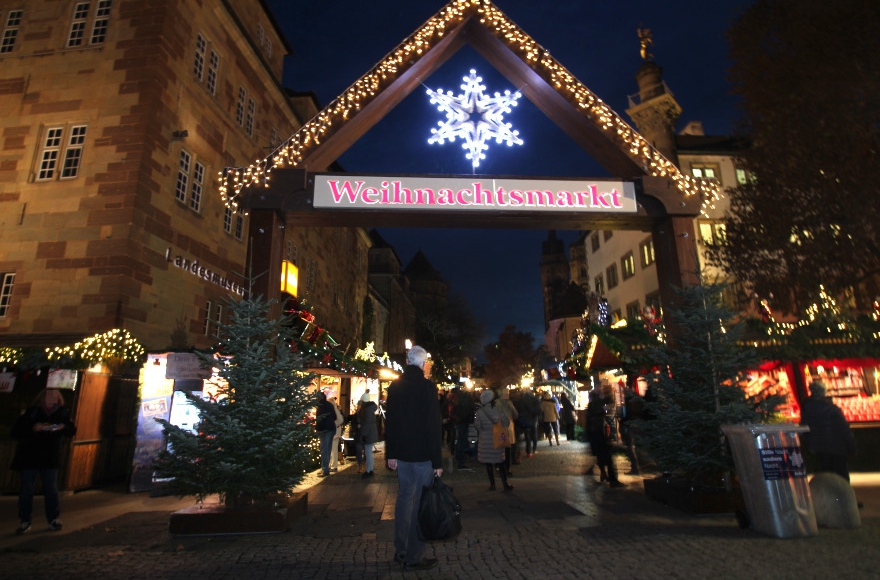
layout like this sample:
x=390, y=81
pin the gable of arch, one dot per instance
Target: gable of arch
x=591, y=123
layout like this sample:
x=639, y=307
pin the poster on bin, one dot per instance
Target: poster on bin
x=782, y=463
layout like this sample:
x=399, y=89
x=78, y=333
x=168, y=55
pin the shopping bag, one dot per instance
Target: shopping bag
x=500, y=436
x=439, y=513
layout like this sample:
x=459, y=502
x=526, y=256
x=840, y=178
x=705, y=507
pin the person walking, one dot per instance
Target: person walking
x=633, y=415
x=337, y=437
x=487, y=454
x=413, y=446
x=39, y=432
x=368, y=433
x=550, y=416
x=530, y=415
x=830, y=438
x=462, y=418
x=325, y=425
x=598, y=432
x=509, y=410
x=567, y=416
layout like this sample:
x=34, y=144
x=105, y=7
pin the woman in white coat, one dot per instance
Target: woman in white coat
x=485, y=419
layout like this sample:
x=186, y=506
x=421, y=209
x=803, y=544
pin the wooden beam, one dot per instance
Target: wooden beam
x=582, y=130
x=354, y=128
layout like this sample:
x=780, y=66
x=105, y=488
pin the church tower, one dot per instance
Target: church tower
x=580, y=270
x=654, y=109
x=554, y=274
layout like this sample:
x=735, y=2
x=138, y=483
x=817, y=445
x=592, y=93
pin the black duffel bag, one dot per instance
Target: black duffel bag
x=439, y=513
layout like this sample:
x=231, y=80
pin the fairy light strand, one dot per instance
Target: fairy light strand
x=312, y=134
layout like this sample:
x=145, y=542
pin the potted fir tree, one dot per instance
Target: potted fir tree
x=698, y=389
x=254, y=443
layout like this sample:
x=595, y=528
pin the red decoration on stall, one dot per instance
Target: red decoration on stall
x=766, y=314
x=651, y=318
x=316, y=333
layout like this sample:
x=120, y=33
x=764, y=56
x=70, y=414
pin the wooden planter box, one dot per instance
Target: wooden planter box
x=216, y=519
x=691, y=499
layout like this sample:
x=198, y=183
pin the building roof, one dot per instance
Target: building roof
x=552, y=245
x=710, y=145
x=419, y=268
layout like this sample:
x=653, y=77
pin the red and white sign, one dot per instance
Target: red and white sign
x=7, y=382
x=414, y=193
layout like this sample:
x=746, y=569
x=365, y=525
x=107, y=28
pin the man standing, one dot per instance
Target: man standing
x=413, y=441
x=830, y=437
x=39, y=431
x=325, y=425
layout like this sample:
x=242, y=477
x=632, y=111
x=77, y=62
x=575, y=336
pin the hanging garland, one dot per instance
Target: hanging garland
x=114, y=345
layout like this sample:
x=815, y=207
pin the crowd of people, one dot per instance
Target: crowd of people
x=486, y=426
x=499, y=427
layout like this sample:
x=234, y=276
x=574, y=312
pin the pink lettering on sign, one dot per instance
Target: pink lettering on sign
x=346, y=190
x=394, y=192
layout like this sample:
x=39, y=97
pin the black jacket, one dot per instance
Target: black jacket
x=42, y=449
x=325, y=416
x=413, y=423
x=829, y=431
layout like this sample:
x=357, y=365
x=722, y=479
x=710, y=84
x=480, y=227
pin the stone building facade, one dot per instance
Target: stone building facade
x=118, y=121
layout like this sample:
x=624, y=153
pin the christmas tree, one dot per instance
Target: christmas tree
x=253, y=439
x=698, y=388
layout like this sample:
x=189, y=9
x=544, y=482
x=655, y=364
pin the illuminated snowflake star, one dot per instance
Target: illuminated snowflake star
x=474, y=117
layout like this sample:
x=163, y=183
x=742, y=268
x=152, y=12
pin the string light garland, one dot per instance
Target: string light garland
x=113, y=345
x=100, y=348
x=298, y=147
x=9, y=355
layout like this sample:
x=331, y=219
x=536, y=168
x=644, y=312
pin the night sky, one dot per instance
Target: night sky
x=336, y=41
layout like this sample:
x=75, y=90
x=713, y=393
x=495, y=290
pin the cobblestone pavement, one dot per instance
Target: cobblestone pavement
x=557, y=524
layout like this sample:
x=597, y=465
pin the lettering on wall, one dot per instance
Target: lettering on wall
x=205, y=273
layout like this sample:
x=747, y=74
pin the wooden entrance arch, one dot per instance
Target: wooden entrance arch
x=667, y=200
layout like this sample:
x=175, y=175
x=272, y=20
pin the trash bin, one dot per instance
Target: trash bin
x=773, y=479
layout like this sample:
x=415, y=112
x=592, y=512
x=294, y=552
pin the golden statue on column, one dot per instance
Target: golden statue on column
x=645, y=40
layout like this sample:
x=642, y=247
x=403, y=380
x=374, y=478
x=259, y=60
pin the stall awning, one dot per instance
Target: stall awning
x=600, y=356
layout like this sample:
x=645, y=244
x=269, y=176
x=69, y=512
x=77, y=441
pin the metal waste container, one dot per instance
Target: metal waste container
x=773, y=478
